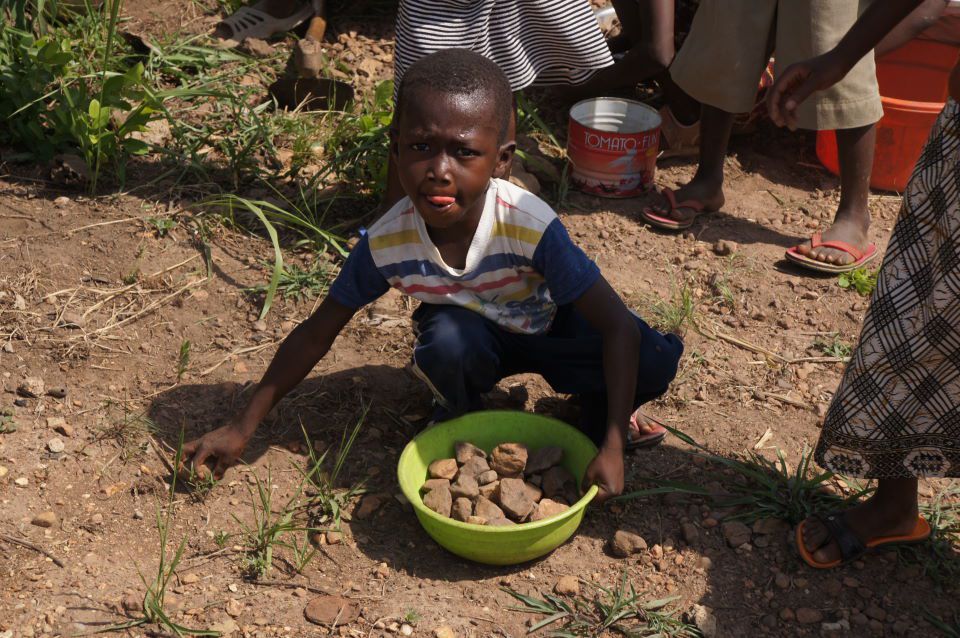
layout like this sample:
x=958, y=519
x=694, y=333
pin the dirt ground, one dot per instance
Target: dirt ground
x=94, y=302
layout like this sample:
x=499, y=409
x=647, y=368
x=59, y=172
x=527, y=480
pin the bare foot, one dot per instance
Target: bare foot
x=707, y=193
x=850, y=228
x=870, y=519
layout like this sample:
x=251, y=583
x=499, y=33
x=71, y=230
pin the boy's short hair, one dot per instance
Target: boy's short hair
x=460, y=72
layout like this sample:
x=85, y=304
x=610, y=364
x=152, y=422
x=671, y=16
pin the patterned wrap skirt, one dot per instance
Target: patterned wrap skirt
x=896, y=413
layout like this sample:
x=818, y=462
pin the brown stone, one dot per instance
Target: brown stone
x=543, y=459
x=475, y=466
x=44, y=519
x=434, y=483
x=325, y=610
x=489, y=490
x=558, y=481
x=443, y=468
x=770, y=526
x=476, y=520
x=439, y=500
x=625, y=543
x=547, y=508
x=487, y=509
x=691, y=535
x=462, y=509
x=735, y=533
x=500, y=522
x=465, y=487
x=514, y=499
x=486, y=477
x=509, y=459
x=808, y=616
x=465, y=451
x=567, y=586
x=368, y=506
x=535, y=492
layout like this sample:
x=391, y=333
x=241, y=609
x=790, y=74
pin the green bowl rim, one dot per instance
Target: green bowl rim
x=417, y=501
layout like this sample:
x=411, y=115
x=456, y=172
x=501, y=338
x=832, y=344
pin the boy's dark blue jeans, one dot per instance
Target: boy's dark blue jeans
x=461, y=355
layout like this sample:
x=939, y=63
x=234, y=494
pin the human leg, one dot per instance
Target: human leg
x=852, y=222
x=458, y=354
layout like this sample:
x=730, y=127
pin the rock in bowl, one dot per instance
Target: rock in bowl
x=481, y=543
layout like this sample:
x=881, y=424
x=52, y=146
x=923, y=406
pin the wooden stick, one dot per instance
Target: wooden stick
x=29, y=545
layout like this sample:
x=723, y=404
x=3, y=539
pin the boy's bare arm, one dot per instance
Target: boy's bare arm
x=605, y=311
x=295, y=357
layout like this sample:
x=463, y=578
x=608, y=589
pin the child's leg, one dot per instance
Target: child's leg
x=855, y=148
x=891, y=511
x=458, y=354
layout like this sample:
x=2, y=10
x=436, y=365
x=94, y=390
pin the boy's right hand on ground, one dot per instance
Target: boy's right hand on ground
x=225, y=444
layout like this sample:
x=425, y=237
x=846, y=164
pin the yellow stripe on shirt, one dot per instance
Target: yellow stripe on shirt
x=520, y=233
x=395, y=239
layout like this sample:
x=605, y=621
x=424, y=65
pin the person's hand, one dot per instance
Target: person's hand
x=797, y=82
x=225, y=445
x=606, y=472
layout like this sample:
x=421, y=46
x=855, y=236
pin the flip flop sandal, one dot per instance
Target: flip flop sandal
x=648, y=440
x=860, y=257
x=850, y=546
x=254, y=22
x=654, y=217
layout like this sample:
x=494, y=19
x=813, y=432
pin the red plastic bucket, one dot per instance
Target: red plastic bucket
x=612, y=144
x=913, y=89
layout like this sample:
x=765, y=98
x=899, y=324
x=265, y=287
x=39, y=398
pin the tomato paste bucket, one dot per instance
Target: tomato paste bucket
x=612, y=144
x=913, y=89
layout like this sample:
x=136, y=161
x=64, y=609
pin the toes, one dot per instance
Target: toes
x=814, y=534
x=827, y=554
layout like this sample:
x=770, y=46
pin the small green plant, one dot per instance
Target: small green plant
x=764, y=488
x=326, y=499
x=220, y=538
x=836, y=347
x=269, y=529
x=863, y=280
x=299, y=283
x=162, y=225
x=183, y=359
x=153, y=609
x=303, y=553
x=358, y=149
x=411, y=616
x=947, y=628
x=673, y=314
x=7, y=424
x=611, y=610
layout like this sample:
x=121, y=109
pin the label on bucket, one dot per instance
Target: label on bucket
x=606, y=161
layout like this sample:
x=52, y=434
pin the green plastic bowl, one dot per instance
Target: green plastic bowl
x=496, y=545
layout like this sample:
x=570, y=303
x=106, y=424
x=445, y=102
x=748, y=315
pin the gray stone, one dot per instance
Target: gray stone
x=626, y=543
x=439, y=500
x=465, y=487
x=543, y=459
x=462, y=509
x=465, y=451
x=514, y=498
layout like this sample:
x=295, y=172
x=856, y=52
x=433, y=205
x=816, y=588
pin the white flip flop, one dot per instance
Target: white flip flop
x=254, y=22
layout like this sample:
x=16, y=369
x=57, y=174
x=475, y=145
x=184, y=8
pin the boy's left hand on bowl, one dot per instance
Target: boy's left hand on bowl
x=606, y=472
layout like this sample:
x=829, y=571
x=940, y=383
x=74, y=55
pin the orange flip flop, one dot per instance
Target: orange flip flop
x=653, y=217
x=860, y=257
x=650, y=439
x=850, y=546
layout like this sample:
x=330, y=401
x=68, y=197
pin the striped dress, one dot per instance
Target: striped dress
x=534, y=42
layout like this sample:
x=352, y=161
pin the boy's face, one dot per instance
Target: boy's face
x=447, y=149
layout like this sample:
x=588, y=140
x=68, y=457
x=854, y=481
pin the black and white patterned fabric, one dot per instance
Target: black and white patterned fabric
x=896, y=413
x=534, y=42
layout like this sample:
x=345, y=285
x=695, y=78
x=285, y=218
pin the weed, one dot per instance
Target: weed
x=834, y=348
x=939, y=558
x=162, y=225
x=7, y=424
x=327, y=500
x=153, y=610
x=764, y=489
x=411, y=616
x=302, y=553
x=129, y=430
x=673, y=314
x=220, y=538
x=862, y=279
x=611, y=610
x=268, y=528
x=296, y=282
x=183, y=359
x=947, y=628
